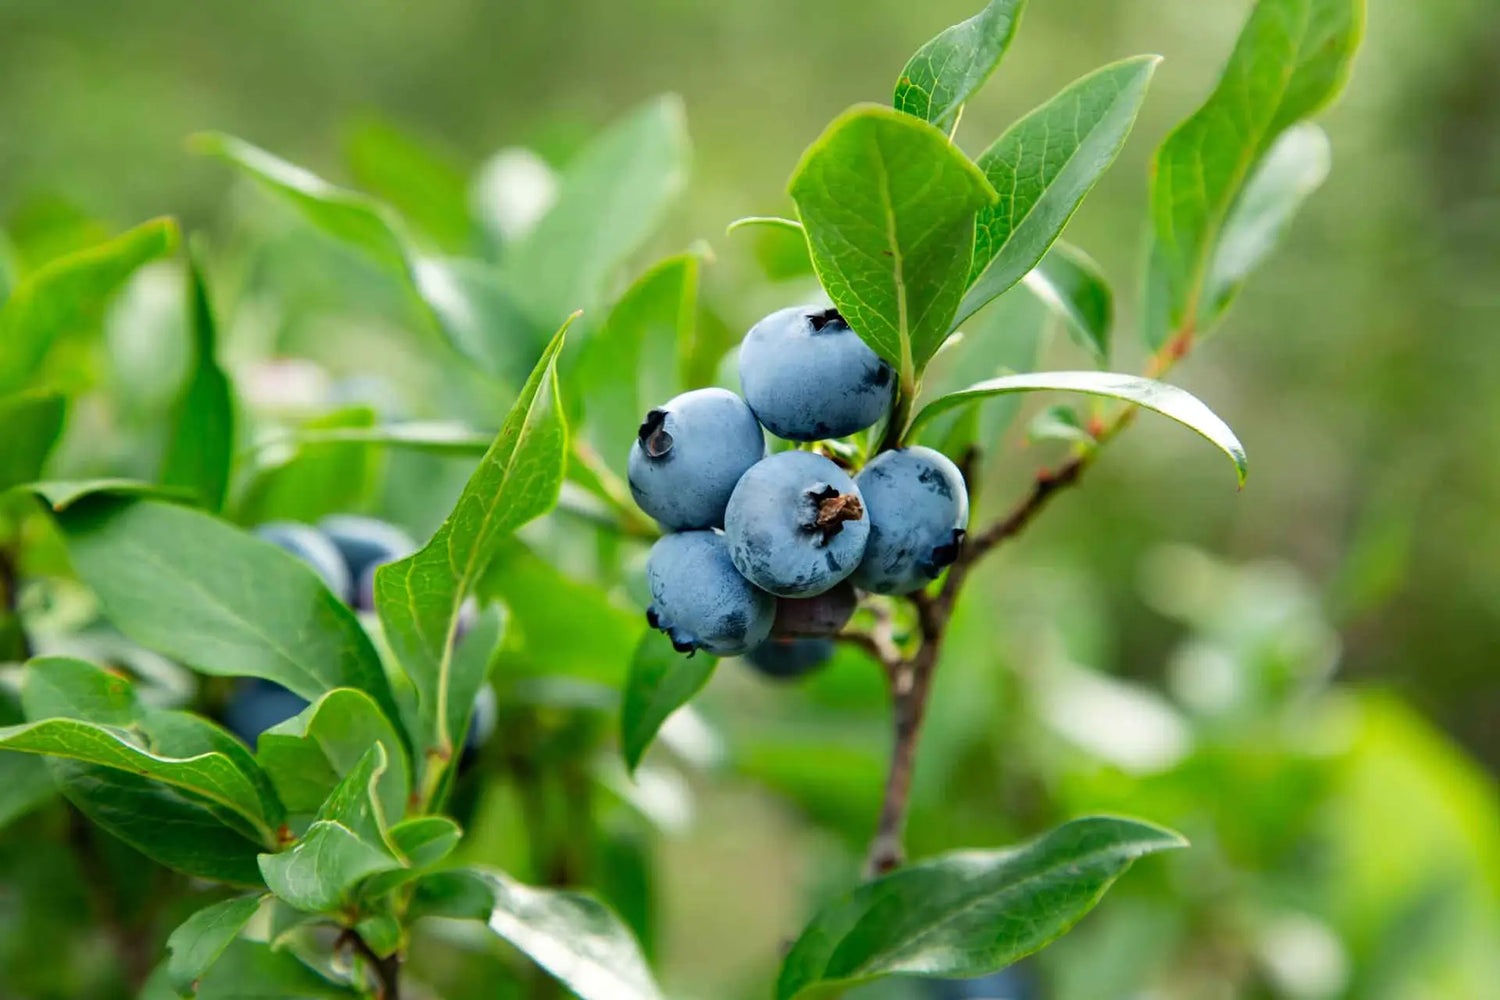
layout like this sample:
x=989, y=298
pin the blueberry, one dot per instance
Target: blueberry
x=808, y=376
x=366, y=542
x=257, y=705
x=700, y=600
x=796, y=524
x=312, y=547
x=918, y=508
x=815, y=617
x=788, y=659
x=1007, y=984
x=688, y=455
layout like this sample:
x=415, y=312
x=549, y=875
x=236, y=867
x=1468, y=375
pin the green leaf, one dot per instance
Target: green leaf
x=125, y=742
x=1168, y=400
x=446, y=438
x=1072, y=285
x=951, y=68
x=61, y=494
x=69, y=294
x=200, y=448
x=419, y=181
x=457, y=894
x=346, y=215
x=574, y=937
x=33, y=421
x=320, y=477
x=346, y=844
x=426, y=840
x=633, y=362
x=1058, y=423
x=765, y=222
x=419, y=598
x=889, y=205
x=1295, y=167
x=198, y=941
x=1043, y=167
x=253, y=970
x=307, y=755
x=255, y=610
x=1292, y=58
x=966, y=914
x=661, y=681
x=25, y=783
x=610, y=199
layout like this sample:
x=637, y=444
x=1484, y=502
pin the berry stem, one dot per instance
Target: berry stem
x=910, y=676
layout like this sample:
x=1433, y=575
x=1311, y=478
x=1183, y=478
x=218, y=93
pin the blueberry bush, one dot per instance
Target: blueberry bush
x=299, y=714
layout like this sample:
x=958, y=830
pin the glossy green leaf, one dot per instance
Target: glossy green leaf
x=966, y=914
x=633, y=362
x=61, y=494
x=1058, y=423
x=457, y=894
x=574, y=937
x=33, y=421
x=320, y=477
x=1072, y=285
x=780, y=245
x=63, y=700
x=253, y=970
x=307, y=755
x=765, y=222
x=346, y=844
x=1291, y=59
x=1168, y=400
x=426, y=840
x=1295, y=167
x=485, y=320
x=200, y=448
x=199, y=940
x=419, y=598
x=256, y=610
x=69, y=294
x=951, y=68
x=661, y=681
x=1043, y=167
x=610, y=199
x=889, y=206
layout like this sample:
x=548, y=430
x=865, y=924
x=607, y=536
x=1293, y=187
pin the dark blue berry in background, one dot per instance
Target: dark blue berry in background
x=257, y=705
x=815, y=617
x=688, y=455
x=788, y=659
x=808, y=376
x=700, y=601
x=366, y=542
x=314, y=548
x=918, y=507
x=796, y=525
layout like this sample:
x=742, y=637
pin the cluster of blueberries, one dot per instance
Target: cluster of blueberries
x=764, y=552
x=344, y=550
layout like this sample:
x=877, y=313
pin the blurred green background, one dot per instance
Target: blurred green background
x=1316, y=704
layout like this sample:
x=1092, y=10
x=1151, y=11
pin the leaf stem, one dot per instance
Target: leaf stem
x=387, y=970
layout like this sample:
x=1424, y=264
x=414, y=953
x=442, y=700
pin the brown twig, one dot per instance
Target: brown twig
x=387, y=970
x=911, y=677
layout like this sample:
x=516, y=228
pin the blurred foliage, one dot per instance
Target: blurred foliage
x=1319, y=712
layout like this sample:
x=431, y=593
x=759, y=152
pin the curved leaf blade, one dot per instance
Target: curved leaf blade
x=33, y=422
x=966, y=914
x=307, y=755
x=1295, y=167
x=661, y=681
x=199, y=940
x=1292, y=58
x=950, y=69
x=1071, y=284
x=889, y=205
x=257, y=611
x=574, y=937
x=419, y=598
x=200, y=449
x=70, y=293
x=1043, y=167
x=1168, y=400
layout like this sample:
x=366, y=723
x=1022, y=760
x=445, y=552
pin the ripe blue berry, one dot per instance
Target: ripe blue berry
x=700, y=601
x=796, y=525
x=808, y=376
x=257, y=705
x=918, y=508
x=688, y=455
x=312, y=547
x=788, y=659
